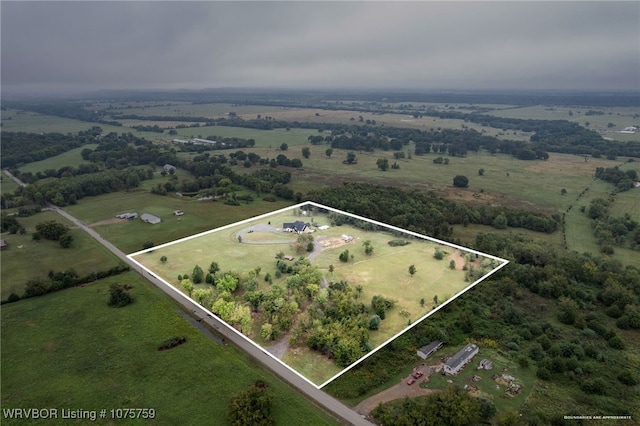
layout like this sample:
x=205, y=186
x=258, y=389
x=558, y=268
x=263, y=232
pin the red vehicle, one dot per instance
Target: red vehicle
x=418, y=374
x=411, y=381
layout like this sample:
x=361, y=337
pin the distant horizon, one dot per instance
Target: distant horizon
x=78, y=47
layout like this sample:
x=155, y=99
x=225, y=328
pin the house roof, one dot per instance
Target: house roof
x=150, y=218
x=461, y=357
x=431, y=347
x=298, y=225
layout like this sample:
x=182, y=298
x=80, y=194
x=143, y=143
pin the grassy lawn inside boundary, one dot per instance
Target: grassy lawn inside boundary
x=384, y=273
x=70, y=350
x=69, y=158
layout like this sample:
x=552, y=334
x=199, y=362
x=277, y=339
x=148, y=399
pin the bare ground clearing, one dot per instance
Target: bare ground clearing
x=400, y=390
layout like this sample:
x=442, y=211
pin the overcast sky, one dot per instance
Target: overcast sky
x=423, y=45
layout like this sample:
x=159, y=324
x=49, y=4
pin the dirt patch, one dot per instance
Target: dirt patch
x=401, y=390
x=110, y=221
x=331, y=243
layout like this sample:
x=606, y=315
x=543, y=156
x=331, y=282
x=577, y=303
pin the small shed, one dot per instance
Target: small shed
x=425, y=351
x=3, y=245
x=149, y=218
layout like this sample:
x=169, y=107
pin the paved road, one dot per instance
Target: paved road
x=321, y=398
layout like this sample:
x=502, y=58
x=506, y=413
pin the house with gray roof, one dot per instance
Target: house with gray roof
x=425, y=351
x=459, y=360
x=298, y=227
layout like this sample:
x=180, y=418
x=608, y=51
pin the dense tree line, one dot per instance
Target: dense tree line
x=591, y=297
x=612, y=231
x=623, y=180
x=22, y=148
x=60, y=280
x=68, y=190
x=424, y=213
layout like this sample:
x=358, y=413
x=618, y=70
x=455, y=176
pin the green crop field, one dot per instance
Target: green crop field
x=26, y=259
x=104, y=358
x=385, y=272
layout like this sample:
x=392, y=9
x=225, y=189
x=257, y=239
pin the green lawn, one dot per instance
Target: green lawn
x=384, y=273
x=7, y=185
x=70, y=350
x=129, y=236
x=26, y=259
x=69, y=158
x=264, y=138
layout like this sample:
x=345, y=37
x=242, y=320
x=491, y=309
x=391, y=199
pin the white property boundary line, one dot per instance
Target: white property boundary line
x=229, y=328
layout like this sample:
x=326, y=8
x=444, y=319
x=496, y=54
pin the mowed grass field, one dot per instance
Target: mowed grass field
x=385, y=272
x=26, y=259
x=106, y=358
x=129, y=236
x=7, y=185
x=70, y=158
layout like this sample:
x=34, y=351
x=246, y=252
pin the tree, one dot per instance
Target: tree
x=227, y=283
x=344, y=256
x=253, y=406
x=374, y=322
x=435, y=299
x=306, y=152
x=51, y=230
x=412, y=270
x=500, y=221
x=563, y=191
x=383, y=164
x=452, y=264
x=187, y=286
x=368, y=248
x=163, y=259
x=65, y=241
x=284, y=147
x=119, y=296
x=328, y=152
x=351, y=158
x=331, y=269
x=481, y=172
x=198, y=275
x=460, y=181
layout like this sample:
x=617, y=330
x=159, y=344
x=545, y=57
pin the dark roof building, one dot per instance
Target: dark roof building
x=425, y=351
x=297, y=226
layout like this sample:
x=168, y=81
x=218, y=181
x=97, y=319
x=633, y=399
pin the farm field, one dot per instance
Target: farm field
x=506, y=181
x=30, y=122
x=620, y=117
x=70, y=158
x=129, y=236
x=26, y=259
x=385, y=272
x=108, y=357
x=264, y=138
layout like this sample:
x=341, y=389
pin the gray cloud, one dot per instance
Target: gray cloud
x=427, y=45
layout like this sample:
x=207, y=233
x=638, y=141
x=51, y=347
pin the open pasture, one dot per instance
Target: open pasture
x=129, y=236
x=26, y=259
x=620, y=117
x=506, y=181
x=213, y=110
x=255, y=243
x=264, y=138
x=70, y=158
x=31, y=122
x=71, y=350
